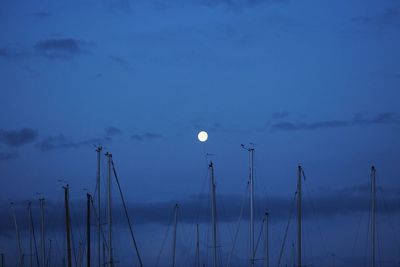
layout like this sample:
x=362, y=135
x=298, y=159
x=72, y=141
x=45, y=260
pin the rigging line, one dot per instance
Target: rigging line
x=165, y=237
x=239, y=221
x=286, y=230
x=101, y=228
x=259, y=237
x=126, y=214
x=34, y=238
x=368, y=228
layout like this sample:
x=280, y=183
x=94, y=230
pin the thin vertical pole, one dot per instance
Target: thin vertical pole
x=373, y=207
x=2, y=260
x=42, y=241
x=174, y=237
x=266, y=229
x=98, y=150
x=299, y=170
x=20, y=263
x=251, y=174
x=110, y=250
x=89, y=198
x=49, y=256
x=67, y=225
x=213, y=215
x=197, y=246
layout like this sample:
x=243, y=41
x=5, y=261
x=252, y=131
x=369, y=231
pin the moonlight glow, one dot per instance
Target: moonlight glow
x=203, y=136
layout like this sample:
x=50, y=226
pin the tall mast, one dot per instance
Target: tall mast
x=373, y=211
x=299, y=171
x=213, y=215
x=197, y=246
x=89, y=198
x=174, y=237
x=251, y=183
x=110, y=250
x=67, y=224
x=21, y=257
x=42, y=240
x=251, y=150
x=266, y=260
x=98, y=150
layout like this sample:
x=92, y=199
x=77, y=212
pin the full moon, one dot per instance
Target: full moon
x=202, y=136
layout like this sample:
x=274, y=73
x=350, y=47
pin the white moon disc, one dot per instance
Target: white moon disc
x=202, y=136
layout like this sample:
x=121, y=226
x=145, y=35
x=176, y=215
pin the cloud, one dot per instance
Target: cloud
x=112, y=131
x=389, y=118
x=146, y=136
x=60, y=142
x=17, y=138
x=8, y=156
x=390, y=16
x=10, y=53
x=121, y=62
x=195, y=209
x=61, y=47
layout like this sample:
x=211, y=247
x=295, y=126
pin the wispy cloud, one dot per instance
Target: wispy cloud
x=121, y=62
x=390, y=118
x=12, y=53
x=146, y=136
x=62, y=47
x=390, y=16
x=61, y=142
x=112, y=131
x=8, y=156
x=17, y=138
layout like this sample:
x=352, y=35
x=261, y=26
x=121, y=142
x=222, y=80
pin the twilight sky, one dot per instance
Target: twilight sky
x=310, y=82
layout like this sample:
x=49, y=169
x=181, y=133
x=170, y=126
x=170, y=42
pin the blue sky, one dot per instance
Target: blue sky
x=310, y=82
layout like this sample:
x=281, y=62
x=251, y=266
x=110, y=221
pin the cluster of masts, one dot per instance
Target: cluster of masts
x=104, y=248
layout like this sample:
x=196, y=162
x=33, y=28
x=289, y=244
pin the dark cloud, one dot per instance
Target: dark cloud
x=60, y=142
x=112, y=131
x=10, y=53
x=8, y=156
x=146, y=136
x=199, y=124
x=196, y=209
x=17, y=137
x=61, y=47
x=389, y=118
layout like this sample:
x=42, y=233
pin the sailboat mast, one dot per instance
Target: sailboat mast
x=110, y=250
x=266, y=260
x=251, y=170
x=89, y=199
x=373, y=211
x=21, y=259
x=67, y=224
x=98, y=150
x=42, y=241
x=174, y=239
x=299, y=170
x=213, y=215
